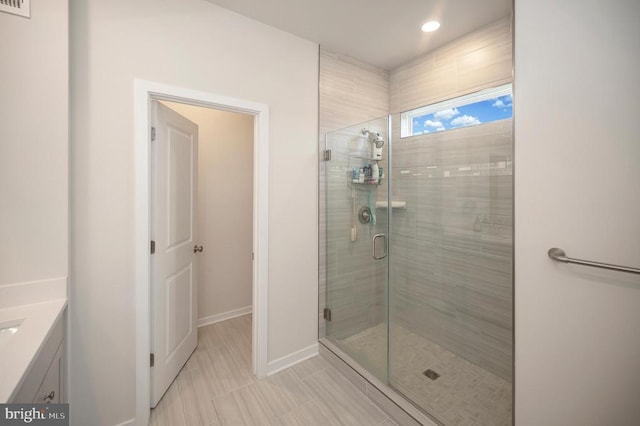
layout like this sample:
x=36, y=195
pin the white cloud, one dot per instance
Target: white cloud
x=439, y=129
x=433, y=123
x=503, y=102
x=447, y=114
x=465, y=120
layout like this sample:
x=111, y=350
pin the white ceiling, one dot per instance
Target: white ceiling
x=384, y=33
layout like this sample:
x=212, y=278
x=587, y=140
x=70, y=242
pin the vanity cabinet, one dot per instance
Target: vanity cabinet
x=43, y=382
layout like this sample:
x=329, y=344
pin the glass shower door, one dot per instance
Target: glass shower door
x=450, y=292
x=355, y=220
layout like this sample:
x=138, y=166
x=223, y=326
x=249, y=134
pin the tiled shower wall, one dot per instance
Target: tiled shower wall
x=451, y=251
x=451, y=247
x=476, y=61
x=350, y=92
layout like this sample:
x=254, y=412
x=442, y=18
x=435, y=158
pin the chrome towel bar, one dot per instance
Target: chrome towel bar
x=559, y=255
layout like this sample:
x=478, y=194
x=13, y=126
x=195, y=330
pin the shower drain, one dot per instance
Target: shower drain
x=431, y=374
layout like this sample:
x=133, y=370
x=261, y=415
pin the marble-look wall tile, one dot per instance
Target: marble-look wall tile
x=451, y=251
x=350, y=92
x=476, y=61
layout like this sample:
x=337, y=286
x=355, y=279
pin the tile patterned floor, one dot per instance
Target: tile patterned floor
x=464, y=394
x=216, y=387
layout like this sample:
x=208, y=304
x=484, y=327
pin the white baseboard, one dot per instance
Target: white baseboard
x=127, y=422
x=212, y=319
x=292, y=359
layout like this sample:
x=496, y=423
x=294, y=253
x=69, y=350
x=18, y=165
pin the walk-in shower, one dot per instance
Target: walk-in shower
x=416, y=234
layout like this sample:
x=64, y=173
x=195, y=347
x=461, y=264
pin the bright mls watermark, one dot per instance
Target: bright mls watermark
x=34, y=414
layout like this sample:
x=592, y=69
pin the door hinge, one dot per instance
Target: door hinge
x=153, y=246
x=153, y=134
x=152, y=360
x=326, y=155
x=327, y=314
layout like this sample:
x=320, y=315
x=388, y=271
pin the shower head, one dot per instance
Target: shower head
x=377, y=144
x=377, y=140
x=374, y=138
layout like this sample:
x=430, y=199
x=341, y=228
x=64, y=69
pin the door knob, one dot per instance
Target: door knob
x=197, y=249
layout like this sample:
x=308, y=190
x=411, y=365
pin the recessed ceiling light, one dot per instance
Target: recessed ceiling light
x=430, y=26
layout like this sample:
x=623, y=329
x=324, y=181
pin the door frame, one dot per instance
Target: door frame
x=144, y=93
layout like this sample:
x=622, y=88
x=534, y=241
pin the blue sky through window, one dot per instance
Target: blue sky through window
x=485, y=111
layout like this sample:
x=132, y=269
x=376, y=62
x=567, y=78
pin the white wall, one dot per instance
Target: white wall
x=34, y=143
x=225, y=209
x=577, y=187
x=197, y=45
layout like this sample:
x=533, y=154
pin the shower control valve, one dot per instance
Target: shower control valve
x=364, y=215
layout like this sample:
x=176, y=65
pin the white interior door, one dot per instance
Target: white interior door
x=173, y=228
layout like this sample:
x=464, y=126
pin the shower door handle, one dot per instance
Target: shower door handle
x=375, y=237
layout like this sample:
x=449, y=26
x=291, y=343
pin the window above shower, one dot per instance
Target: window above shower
x=481, y=107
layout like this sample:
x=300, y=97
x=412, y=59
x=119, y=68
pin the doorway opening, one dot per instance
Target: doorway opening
x=148, y=94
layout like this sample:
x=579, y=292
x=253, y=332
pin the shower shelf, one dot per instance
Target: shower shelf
x=367, y=184
x=360, y=157
x=394, y=205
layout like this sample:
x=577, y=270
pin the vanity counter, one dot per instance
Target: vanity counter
x=25, y=330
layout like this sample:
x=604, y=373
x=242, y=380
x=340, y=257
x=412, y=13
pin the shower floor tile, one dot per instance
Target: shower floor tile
x=464, y=394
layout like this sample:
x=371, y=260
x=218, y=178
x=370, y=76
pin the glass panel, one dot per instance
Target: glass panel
x=355, y=192
x=450, y=293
